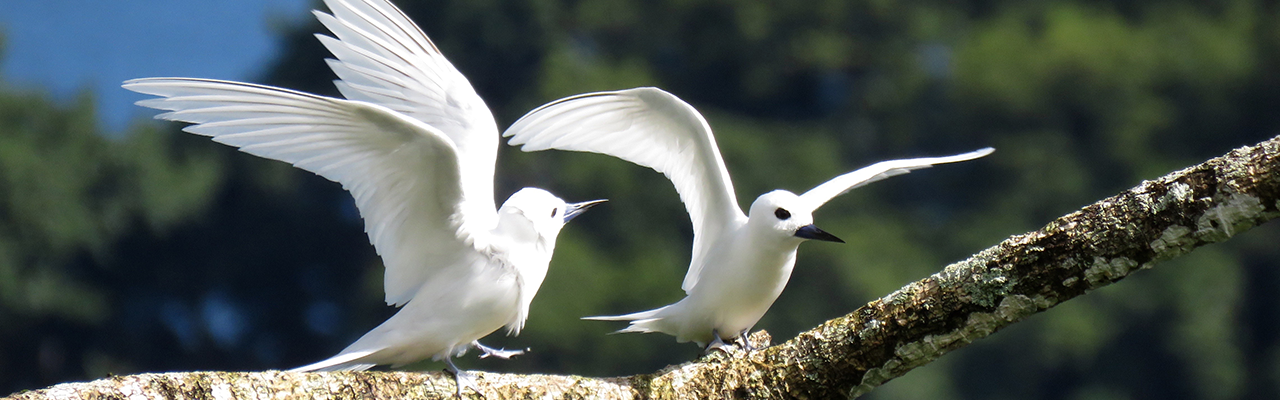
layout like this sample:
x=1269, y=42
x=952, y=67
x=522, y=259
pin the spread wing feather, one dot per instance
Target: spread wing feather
x=842, y=184
x=384, y=58
x=404, y=174
x=648, y=127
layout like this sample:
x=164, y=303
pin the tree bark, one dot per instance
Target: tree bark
x=851, y=355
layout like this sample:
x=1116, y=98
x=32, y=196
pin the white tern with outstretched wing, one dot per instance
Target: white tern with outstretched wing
x=740, y=264
x=415, y=146
x=649, y=127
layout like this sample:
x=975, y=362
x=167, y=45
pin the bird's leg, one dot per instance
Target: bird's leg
x=746, y=340
x=500, y=353
x=460, y=377
x=716, y=342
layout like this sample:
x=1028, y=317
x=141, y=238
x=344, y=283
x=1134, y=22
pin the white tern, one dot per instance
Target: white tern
x=415, y=145
x=740, y=263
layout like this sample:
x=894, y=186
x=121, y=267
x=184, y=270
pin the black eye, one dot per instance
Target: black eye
x=782, y=213
x=554, y=211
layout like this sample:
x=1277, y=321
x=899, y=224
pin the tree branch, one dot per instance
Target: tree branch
x=848, y=356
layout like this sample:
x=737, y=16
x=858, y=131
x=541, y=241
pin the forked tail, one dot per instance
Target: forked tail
x=340, y=362
x=643, y=322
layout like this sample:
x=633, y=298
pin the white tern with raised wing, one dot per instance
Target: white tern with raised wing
x=740, y=263
x=416, y=147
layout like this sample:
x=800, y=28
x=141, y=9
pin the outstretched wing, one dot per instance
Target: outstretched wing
x=842, y=184
x=402, y=172
x=383, y=58
x=649, y=127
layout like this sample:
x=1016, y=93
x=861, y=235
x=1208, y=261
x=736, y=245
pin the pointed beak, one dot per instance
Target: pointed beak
x=812, y=232
x=572, y=210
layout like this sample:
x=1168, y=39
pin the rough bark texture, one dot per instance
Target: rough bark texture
x=850, y=355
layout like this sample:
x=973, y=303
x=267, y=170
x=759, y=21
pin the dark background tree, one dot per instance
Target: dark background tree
x=160, y=251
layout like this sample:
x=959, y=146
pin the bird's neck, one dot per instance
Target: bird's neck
x=767, y=239
x=516, y=240
x=766, y=247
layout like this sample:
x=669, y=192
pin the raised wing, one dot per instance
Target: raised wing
x=403, y=173
x=383, y=58
x=649, y=127
x=842, y=184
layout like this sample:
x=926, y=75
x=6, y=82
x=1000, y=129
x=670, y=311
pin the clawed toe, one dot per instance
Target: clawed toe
x=462, y=378
x=743, y=342
x=465, y=379
x=499, y=353
x=745, y=338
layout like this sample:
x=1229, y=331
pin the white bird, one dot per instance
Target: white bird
x=416, y=147
x=740, y=263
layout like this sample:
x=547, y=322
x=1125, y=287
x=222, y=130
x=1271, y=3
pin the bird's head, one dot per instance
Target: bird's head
x=542, y=213
x=785, y=214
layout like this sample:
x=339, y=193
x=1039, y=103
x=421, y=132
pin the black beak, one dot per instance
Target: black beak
x=572, y=210
x=812, y=232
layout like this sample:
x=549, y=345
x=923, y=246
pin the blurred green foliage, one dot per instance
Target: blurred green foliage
x=68, y=196
x=164, y=252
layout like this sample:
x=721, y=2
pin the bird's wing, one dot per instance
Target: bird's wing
x=842, y=184
x=649, y=127
x=403, y=173
x=384, y=59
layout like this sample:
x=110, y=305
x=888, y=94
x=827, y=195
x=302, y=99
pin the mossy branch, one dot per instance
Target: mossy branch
x=847, y=356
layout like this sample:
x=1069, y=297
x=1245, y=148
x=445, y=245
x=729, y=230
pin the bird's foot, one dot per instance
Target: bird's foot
x=467, y=380
x=462, y=378
x=745, y=340
x=500, y=353
x=716, y=343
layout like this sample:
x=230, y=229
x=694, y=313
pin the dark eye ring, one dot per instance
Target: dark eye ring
x=554, y=211
x=782, y=213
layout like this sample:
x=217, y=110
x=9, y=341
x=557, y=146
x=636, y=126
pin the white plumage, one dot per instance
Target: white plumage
x=416, y=147
x=740, y=263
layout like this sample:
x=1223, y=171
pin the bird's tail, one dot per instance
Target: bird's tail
x=342, y=362
x=642, y=322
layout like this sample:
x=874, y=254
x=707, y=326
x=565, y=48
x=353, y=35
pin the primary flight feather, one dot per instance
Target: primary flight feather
x=740, y=263
x=416, y=147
